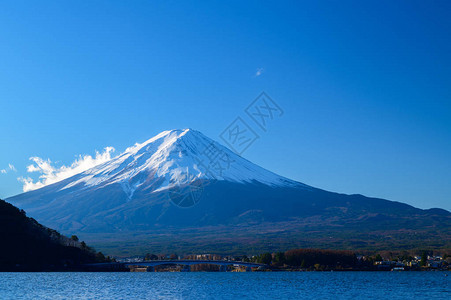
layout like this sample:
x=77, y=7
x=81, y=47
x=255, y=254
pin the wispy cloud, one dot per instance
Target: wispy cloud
x=259, y=72
x=51, y=174
x=10, y=168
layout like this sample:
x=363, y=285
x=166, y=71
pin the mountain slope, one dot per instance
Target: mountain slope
x=29, y=246
x=182, y=181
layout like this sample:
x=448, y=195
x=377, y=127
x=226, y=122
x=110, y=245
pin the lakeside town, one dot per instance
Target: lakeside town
x=293, y=260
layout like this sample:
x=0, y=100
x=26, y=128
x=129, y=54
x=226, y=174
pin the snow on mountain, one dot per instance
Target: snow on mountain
x=175, y=158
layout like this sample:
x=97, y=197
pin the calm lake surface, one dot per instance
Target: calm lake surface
x=275, y=285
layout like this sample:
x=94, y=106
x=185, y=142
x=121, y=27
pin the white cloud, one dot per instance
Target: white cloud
x=259, y=72
x=29, y=185
x=51, y=174
x=3, y=171
x=12, y=168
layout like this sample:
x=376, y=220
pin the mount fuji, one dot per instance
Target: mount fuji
x=181, y=191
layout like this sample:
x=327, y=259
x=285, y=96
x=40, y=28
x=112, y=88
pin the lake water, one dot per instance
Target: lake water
x=256, y=285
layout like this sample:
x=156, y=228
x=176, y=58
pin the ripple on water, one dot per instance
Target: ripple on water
x=199, y=285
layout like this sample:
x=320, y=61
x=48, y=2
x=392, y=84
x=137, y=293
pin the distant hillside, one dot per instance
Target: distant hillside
x=26, y=245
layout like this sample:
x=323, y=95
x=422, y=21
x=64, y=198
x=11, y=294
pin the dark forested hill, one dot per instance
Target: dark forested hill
x=26, y=245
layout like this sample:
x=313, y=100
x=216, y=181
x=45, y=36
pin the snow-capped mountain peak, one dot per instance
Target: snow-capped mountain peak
x=173, y=158
x=181, y=187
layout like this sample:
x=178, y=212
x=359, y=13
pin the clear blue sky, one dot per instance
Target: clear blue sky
x=365, y=85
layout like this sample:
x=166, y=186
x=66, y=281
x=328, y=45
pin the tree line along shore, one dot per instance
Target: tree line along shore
x=315, y=260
